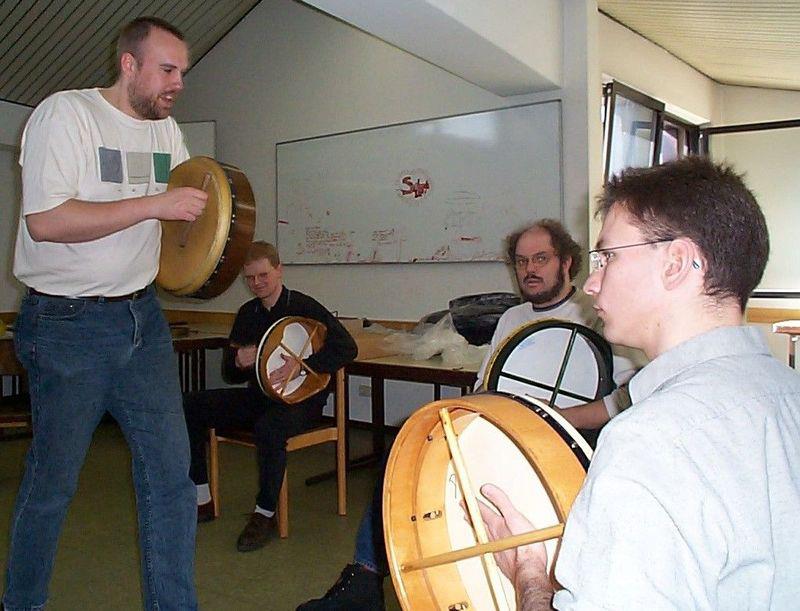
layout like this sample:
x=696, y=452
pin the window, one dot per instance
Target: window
x=638, y=132
x=766, y=153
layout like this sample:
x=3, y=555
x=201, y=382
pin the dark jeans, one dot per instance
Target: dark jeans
x=84, y=358
x=248, y=408
x=370, y=546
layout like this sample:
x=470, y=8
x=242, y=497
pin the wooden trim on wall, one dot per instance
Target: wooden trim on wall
x=753, y=315
x=200, y=317
x=771, y=315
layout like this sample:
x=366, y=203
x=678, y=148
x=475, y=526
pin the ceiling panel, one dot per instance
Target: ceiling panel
x=754, y=42
x=49, y=45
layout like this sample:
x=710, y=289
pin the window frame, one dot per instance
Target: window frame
x=611, y=90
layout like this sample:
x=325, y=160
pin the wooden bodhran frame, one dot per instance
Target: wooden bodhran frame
x=203, y=257
x=422, y=561
x=274, y=342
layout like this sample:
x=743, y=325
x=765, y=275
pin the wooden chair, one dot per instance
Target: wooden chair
x=16, y=417
x=15, y=409
x=303, y=440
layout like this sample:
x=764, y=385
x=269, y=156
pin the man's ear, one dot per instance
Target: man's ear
x=682, y=259
x=127, y=64
x=566, y=263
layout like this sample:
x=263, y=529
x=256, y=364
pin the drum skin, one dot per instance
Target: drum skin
x=570, y=364
x=290, y=335
x=202, y=258
x=414, y=513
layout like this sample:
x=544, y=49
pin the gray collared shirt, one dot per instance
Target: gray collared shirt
x=692, y=500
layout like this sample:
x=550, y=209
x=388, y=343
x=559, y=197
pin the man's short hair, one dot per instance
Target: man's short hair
x=262, y=250
x=135, y=32
x=563, y=244
x=705, y=202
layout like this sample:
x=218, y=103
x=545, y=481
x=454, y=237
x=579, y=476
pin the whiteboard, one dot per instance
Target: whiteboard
x=446, y=189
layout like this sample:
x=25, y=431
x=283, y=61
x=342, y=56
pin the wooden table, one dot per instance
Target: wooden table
x=9, y=365
x=404, y=369
x=792, y=329
x=14, y=403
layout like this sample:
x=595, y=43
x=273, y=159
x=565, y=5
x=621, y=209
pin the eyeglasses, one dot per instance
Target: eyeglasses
x=540, y=259
x=600, y=257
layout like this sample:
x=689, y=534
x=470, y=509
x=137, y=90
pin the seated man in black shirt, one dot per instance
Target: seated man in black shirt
x=272, y=422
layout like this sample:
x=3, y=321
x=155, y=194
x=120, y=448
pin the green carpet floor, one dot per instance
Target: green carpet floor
x=97, y=562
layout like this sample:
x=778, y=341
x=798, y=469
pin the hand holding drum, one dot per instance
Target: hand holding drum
x=207, y=228
x=282, y=373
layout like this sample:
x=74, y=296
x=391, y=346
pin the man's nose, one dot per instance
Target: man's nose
x=593, y=283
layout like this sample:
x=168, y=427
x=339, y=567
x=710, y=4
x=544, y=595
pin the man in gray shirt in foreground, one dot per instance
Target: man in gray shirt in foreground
x=693, y=495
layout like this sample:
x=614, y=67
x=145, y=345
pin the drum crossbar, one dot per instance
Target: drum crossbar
x=547, y=387
x=564, y=360
x=298, y=365
x=489, y=565
x=500, y=545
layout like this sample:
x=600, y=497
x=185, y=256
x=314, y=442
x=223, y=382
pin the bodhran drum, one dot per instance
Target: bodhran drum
x=203, y=257
x=292, y=336
x=561, y=362
x=524, y=447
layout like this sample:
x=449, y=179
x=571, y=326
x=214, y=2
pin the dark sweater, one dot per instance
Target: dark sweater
x=253, y=320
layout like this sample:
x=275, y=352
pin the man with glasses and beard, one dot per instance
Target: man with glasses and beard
x=90, y=331
x=546, y=259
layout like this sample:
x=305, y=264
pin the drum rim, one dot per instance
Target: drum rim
x=287, y=320
x=597, y=344
x=225, y=198
x=402, y=535
x=558, y=423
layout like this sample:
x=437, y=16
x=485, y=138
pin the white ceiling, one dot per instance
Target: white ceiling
x=736, y=42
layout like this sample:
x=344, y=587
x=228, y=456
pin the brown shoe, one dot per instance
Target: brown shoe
x=256, y=532
x=205, y=512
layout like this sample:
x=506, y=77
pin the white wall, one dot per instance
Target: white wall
x=631, y=59
x=770, y=158
x=310, y=75
x=12, y=120
x=10, y=193
x=755, y=105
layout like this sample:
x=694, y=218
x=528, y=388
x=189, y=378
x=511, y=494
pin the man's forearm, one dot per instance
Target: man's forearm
x=534, y=592
x=590, y=415
x=81, y=221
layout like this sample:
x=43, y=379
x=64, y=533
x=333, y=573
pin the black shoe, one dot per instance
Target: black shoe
x=256, y=532
x=357, y=589
x=205, y=512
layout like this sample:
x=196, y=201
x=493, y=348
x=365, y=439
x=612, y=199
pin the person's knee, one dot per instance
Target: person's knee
x=269, y=436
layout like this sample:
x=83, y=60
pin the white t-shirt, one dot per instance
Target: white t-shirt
x=77, y=145
x=577, y=309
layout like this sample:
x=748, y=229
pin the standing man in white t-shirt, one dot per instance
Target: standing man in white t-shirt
x=90, y=331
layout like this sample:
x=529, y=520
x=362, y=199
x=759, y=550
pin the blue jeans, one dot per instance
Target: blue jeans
x=370, y=546
x=84, y=358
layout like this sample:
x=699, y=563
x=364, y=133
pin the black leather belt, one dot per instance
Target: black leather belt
x=129, y=297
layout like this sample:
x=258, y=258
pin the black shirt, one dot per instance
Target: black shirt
x=253, y=320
